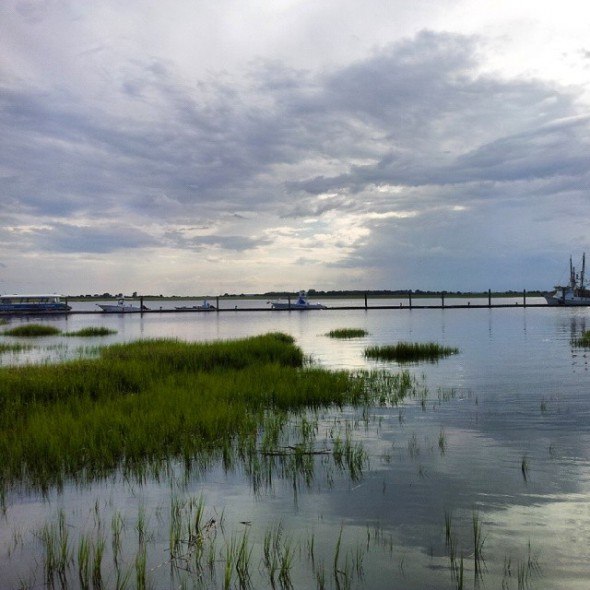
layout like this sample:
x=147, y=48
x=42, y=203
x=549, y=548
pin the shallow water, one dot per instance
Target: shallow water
x=501, y=436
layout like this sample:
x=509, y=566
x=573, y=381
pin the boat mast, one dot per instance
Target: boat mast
x=583, y=270
x=572, y=275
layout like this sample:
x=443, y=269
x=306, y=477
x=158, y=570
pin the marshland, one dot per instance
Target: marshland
x=221, y=451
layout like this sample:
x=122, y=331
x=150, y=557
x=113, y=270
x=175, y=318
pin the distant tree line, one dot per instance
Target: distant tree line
x=332, y=293
x=397, y=293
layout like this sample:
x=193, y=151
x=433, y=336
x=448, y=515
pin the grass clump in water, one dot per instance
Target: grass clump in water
x=92, y=331
x=28, y=330
x=582, y=341
x=347, y=333
x=410, y=351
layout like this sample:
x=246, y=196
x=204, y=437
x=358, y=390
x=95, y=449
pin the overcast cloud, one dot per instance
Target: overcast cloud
x=186, y=148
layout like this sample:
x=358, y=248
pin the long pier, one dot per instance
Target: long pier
x=408, y=303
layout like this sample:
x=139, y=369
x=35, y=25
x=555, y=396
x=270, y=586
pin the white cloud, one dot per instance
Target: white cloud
x=420, y=143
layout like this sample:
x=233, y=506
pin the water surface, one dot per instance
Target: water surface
x=501, y=435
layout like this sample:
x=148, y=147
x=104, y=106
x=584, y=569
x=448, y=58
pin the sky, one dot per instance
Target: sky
x=244, y=146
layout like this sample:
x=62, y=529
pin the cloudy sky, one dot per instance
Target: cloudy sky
x=192, y=147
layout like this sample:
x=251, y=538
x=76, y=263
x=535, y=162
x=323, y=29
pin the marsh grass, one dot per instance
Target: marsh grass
x=336, y=563
x=442, y=441
x=263, y=557
x=478, y=543
x=524, y=467
x=138, y=406
x=92, y=331
x=410, y=351
x=58, y=554
x=84, y=549
x=116, y=536
x=97, y=558
x=14, y=347
x=347, y=333
x=448, y=528
x=31, y=330
x=526, y=570
x=582, y=341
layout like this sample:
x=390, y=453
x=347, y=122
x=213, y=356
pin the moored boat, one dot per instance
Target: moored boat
x=205, y=306
x=121, y=307
x=32, y=304
x=301, y=303
x=573, y=294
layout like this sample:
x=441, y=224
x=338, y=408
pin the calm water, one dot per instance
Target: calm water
x=503, y=433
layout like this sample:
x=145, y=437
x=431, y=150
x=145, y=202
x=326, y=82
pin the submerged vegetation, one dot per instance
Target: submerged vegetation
x=410, y=351
x=347, y=333
x=28, y=330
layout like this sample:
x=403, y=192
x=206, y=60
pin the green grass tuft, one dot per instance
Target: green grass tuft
x=92, y=331
x=29, y=330
x=408, y=351
x=347, y=333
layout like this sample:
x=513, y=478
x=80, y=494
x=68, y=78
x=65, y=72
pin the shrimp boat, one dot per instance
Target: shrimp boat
x=301, y=303
x=575, y=293
x=32, y=304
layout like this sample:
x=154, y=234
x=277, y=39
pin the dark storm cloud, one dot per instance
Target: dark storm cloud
x=90, y=160
x=70, y=239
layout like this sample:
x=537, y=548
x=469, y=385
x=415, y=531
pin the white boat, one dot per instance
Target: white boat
x=121, y=307
x=575, y=293
x=301, y=303
x=44, y=303
x=205, y=306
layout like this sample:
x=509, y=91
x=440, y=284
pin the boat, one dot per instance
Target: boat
x=121, y=307
x=43, y=303
x=301, y=303
x=205, y=306
x=575, y=293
